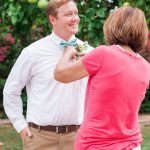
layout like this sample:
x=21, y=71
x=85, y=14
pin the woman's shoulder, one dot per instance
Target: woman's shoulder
x=103, y=49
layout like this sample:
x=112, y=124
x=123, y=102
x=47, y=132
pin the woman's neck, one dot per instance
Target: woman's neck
x=127, y=49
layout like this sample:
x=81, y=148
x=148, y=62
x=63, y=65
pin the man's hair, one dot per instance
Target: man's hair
x=127, y=26
x=53, y=5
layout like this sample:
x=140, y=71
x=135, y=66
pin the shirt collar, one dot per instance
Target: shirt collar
x=56, y=39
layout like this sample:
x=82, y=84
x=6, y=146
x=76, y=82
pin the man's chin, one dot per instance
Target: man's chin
x=75, y=32
x=72, y=32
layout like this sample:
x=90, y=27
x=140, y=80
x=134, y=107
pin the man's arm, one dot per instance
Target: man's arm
x=66, y=71
x=18, y=77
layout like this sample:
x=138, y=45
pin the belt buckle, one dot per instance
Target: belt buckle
x=62, y=129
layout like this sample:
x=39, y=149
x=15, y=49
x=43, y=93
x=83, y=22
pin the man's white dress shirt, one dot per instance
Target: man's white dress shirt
x=49, y=102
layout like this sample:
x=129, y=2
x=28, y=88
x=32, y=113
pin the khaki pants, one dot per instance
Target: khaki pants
x=46, y=140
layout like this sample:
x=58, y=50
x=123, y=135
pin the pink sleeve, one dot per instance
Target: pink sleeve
x=92, y=61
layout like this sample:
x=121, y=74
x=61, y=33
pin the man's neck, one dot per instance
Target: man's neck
x=64, y=37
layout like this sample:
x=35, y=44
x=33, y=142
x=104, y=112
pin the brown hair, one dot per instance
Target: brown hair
x=53, y=5
x=127, y=26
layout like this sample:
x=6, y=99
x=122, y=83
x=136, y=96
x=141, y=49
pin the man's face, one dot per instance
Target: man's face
x=66, y=23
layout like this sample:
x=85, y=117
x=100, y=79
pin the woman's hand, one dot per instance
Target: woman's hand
x=70, y=51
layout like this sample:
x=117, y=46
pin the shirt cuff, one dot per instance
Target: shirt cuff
x=19, y=125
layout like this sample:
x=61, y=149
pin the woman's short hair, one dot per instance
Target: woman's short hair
x=127, y=26
x=53, y=5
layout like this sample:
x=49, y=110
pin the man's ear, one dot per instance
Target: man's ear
x=52, y=20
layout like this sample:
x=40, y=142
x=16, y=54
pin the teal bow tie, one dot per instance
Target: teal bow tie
x=73, y=43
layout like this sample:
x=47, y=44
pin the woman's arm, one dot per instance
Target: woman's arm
x=67, y=71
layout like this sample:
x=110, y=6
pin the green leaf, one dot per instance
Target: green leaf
x=90, y=12
x=101, y=12
x=14, y=20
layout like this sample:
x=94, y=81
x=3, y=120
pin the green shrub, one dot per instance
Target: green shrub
x=145, y=108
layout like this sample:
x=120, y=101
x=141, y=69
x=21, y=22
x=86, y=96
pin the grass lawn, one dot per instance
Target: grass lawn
x=10, y=138
x=146, y=137
x=12, y=141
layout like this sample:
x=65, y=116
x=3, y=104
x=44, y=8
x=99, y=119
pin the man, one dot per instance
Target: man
x=54, y=110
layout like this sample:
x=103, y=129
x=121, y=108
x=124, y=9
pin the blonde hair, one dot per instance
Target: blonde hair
x=127, y=26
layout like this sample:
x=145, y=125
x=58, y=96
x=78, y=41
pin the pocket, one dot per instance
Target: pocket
x=43, y=77
x=26, y=140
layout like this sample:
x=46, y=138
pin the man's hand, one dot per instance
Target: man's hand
x=24, y=133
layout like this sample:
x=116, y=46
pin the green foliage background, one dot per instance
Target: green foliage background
x=27, y=23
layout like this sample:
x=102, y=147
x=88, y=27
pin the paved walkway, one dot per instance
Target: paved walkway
x=4, y=122
x=144, y=120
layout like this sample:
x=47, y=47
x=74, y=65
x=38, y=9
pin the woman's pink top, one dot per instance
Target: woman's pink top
x=117, y=85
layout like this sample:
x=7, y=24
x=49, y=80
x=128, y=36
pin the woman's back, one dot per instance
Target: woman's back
x=117, y=87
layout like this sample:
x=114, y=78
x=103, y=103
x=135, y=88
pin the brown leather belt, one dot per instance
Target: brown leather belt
x=57, y=129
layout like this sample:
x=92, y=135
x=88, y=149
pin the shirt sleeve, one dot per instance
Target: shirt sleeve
x=18, y=77
x=93, y=60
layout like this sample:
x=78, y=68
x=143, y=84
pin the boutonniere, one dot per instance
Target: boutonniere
x=81, y=49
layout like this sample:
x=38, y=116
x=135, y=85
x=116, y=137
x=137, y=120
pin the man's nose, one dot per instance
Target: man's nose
x=75, y=17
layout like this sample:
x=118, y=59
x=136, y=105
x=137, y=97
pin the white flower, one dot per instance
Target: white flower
x=81, y=48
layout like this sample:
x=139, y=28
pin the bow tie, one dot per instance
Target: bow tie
x=73, y=43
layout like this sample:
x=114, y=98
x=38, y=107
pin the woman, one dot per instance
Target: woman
x=118, y=79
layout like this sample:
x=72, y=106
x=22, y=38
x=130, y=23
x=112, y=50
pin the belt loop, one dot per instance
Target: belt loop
x=77, y=128
x=39, y=128
x=66, y=129
x=57, y=129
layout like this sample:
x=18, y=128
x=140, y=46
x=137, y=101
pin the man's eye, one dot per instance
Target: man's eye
x=68, y=14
